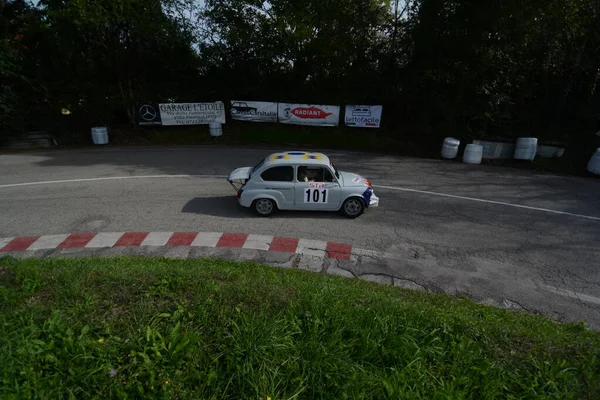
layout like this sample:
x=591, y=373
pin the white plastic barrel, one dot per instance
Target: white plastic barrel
x=526, y=148
x=450, y=148
x=594, y=163
x=215, y=129
x=473, y=154
x=100, y=135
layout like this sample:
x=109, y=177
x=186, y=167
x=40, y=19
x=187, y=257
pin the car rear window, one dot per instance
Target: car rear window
x=278, y=174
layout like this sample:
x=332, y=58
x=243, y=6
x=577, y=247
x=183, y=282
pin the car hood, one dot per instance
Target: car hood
x=352, y=179
x=240, y=173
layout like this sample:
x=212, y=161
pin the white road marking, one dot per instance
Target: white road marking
x=157, y=239
x=104, y=239
x=47, y=242
x=207, y=239
x=314, y=248
x=574, y=295
x=112, y=178
x=5, y=241
x=258, y=242
x=501, y=203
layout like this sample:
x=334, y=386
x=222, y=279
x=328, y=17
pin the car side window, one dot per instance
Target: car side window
x=278, y=174
x=314, y=174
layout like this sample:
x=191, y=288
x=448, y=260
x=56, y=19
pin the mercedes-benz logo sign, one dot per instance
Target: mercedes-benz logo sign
x=147, y=112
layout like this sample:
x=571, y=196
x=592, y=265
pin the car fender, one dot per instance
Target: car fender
x=359, y=194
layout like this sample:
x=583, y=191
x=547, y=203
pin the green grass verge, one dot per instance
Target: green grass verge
x=205, y=329
x=266, y=134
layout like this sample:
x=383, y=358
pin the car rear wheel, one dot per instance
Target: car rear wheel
x=353, y=207
x=264, y=207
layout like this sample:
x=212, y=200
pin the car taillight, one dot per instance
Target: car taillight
x=239, y=193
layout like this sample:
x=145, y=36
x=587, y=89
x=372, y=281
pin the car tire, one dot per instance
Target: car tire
x=264, y=207
x=353, y=207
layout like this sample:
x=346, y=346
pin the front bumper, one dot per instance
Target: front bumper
x=374, y=201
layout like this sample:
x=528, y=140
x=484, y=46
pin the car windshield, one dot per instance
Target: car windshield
x=257, y=166
x=337, y=173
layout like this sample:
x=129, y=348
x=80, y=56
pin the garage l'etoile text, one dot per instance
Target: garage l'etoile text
x=192, y=107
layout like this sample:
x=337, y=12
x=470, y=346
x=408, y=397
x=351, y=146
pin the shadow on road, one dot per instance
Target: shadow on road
x=228, y=207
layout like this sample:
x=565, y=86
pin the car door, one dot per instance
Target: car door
x=316, y=188
x=277, y=182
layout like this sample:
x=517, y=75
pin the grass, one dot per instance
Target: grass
x=206, y=329
x=265, y=134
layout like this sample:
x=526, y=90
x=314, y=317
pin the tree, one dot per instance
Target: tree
x=19, y=96
x=294, y=49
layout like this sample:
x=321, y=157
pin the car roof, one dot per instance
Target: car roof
x=297, y=157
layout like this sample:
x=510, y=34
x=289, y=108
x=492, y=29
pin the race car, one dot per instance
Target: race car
x=299, y=180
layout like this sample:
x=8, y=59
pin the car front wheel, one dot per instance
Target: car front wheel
x=353, y=207
x=264, y=207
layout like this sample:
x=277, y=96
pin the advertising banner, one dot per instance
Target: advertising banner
x=181, y=114
x=256, y=111
x=148, y=115
x=359, y=116
x=308, y=114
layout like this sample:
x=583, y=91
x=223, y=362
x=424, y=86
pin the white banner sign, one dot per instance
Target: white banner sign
x=191, y=113
x=257, y=111
x=363, y=116
x=308, y=114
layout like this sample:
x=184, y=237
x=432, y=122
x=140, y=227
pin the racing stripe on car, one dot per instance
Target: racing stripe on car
x=304, y=247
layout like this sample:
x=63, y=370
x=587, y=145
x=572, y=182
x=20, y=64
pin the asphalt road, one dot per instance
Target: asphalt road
x=484, y=242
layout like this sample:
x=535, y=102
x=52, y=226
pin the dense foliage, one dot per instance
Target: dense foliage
x=500, y=68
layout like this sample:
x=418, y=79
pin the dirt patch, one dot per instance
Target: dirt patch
x=289, y=293
x=39, y=297
x=7, y=277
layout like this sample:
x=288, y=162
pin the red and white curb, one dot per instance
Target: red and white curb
x=289, y=245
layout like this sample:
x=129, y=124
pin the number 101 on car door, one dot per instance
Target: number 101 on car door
x=315, y=195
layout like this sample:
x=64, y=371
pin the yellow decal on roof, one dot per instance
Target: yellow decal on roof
x=313, y=156
x=283, y=156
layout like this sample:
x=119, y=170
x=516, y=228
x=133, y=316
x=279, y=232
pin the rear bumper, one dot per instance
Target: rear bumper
x=374, y=201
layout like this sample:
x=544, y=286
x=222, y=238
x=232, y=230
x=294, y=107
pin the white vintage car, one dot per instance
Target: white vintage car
x=299, y=180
